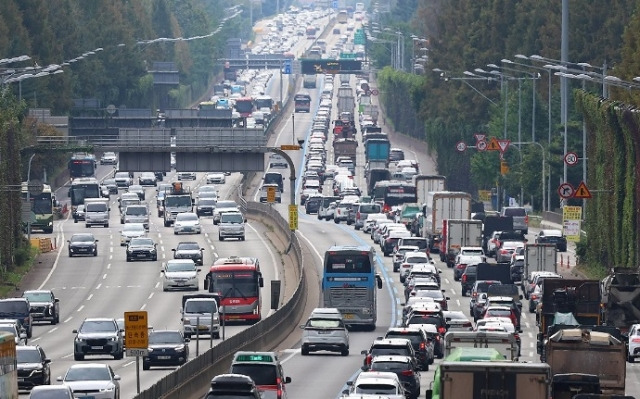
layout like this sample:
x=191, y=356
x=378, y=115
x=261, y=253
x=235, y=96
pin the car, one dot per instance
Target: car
x=516, y=268
x=186, y=175
x=404, y=367
x=634, y=343
x=231, y=225
x=43, y=305
x=325, y=331
x=207, y=192
x=223, y=206
x=12, y=327
x=180, y=274
x=410, y=259
x=136, y=214
x=142, y=248
x=387, y=346
x=509, y=302
x=520, y=218
x=187, y=222
x=399, y=254
x=83, y=244
x=98, y=336
x=479, y=287
x=205, y=206
x=552, y=236
x=265, y=370
x=131, y=230
x=535, y=279
x=232, y=385
x=94, y=380
x=109, y=158
x=506, y=249
x=78, y=213
x=147, y=179
x=380, y=383
x=308, y=192
x=166, y=347
x=421, y=345
x=111, y=185
x=456, y=321
x=313, y=204
x=123, y=179
x=189, y=250
x=216, y=178
x=137, y=189
x=34, y=367
x=51, y=392
x=461, y=264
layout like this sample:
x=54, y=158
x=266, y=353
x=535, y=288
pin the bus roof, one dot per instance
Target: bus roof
x=234, y=266
x=360, y=248
x=236, y=260
x=84, y=180
x=45, y=187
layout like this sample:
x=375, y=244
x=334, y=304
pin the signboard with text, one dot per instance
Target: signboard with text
x=571, y=222
x=136, y=330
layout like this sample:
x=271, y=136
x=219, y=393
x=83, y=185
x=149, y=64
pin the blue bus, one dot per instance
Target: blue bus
x=349, y=283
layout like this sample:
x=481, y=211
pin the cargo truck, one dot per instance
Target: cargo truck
x=495, y=379
x=345, y=148
x=587, y=352
x=177, y=199
x=309, y=81
x=377, y=150
x=539, y=258
x=620, y=292
x=457, y=233
x=426, y=184
x=440, y=206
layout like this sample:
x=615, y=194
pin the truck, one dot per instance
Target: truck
x=309, y=81
x=458, y=233
x=620, y=292
x=346, y=104
x=426, y=184
x=503, y=342
x=491, y=379
x=586, y=352
x=345, y=148
x=377, y=150
x=344, y=128
x=177, y=199
x=566, y=301
x=439, y=206
x=494, y=223
x=494, y=271
x=200, y=315
x=375, y=175
x=538, y=258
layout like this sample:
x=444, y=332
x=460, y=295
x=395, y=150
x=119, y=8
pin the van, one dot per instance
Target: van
x=520, y=218
x=363, y=211
x=325, y=330
x=96, y=211
x=136, y=214
x=231, y=225
x=274, y=177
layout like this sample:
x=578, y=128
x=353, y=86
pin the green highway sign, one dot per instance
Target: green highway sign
x=347, y=56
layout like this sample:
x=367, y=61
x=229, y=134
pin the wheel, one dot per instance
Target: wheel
x=29, y=332
x=166, y=224
x=216, y=335
x=464, y=292
x=242, y=238
x=187, y=335
x=128, y=259
x=77, y=356
x=106, y=225
x=75, y=220
x=119, y=355
x=70, y=254
x=631, y=359
x=155, y=258
x=95, y=253
x=344, y=352
x=220, y=238
x=56, y=319
x=87, y=225
x=336, y=221
x=304, y=351
x=146, y=366
x=319, y=218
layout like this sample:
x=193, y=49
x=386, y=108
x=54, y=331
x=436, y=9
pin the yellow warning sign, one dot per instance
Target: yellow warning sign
x=271, y=194
x=582, y=191
x=293, y=217
x=493, y=145
x=484, y=195
x=136, y=329
x=504, y=168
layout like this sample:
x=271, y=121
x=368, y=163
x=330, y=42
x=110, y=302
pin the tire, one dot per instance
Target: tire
x=106, y=225
x=95, y=253
x=78, y=357
x=395, y=269
x=304, y=351
x=56, y=319
x=166, y=224
x=336, y=221
x=344, y=352
x=220, y=238
x=75, y=220
x=216, y=335
x=146, y=366
x=631, y=359
x=128, y=259
x=464, y=292
x=119, y=355
x=30, y=332
x=70, y=254
x=242, y=238
x=155, y=258
x=356, y=227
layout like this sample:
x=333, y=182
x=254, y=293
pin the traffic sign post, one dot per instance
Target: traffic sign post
x=286, y=67
x=136, y=332
x=566, y=190
x=293, y=217
x=493, y=145
x=504, y=168
x=582, y=191
x=481, y=145
x=461, y=146
x=503, y=144
x=571, y=158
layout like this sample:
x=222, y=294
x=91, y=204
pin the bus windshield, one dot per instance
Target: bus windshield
x=356, y=263
x=230, y=284
x=79, y=193
x=302, y=102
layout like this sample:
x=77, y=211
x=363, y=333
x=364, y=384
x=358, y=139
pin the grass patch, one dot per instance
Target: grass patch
x=10, y=280
x=592, y=272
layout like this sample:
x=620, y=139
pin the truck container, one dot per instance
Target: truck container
x=443, y=205
x=457, y=233
x=346, y=104
x=538, y=258
x=494, y=271
x=566, y=301
x=494, y=223
x=491, y=380
x=309, y=81
x=345, y=91
x=377, y=150
x=584, y=351
x=620, y=292
x=426, y=184
x=503, y=342
x=345, y=148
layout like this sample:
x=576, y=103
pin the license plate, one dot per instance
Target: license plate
x=164, y=357
x=86, y=397
x=141, y=255
x=348, y=316
x=97, y=347
x=20, y=379
x=203, y=327
x=324, y=332
x=180, y=284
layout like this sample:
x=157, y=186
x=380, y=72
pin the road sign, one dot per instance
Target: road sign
x=374, y=92
x=571, y=158
x=481, y=145
x=136, y=330
x=289, y=147
x=504, y=168
x=334, y=5
x=566, y=190
x=461, y=146
x=286, y=67
x=322, y=66
x=271, y=194
x=293, y=217
x=347, y=56
x=503, y=144
x=480, y=136
x=493, y=145
x=582, y=191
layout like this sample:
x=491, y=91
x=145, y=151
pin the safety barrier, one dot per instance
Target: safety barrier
x=43, y=244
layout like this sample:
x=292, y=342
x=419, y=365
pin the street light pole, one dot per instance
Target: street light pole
x=29, y=197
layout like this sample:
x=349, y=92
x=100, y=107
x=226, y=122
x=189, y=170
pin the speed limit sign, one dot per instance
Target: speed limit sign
x=461, y=146
x=571, y=158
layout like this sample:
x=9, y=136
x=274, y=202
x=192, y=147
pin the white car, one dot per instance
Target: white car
x=187, y=222
x=379, y=383
x=93, y=380
x=180, y=274
x=109, y=158
x=216, y=178
x=186, y=175
x=634, y=343
x=131, y=230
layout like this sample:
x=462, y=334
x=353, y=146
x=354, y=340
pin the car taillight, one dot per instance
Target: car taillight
x=516, y=336
x=635, y=340
x=504, y=251
x=357, y=215
x=464, y=278
x=526, y=219
x=461, y=266
x=407, y=373
x=533, y=297
x=467, y=325
x=368, y=360
x=422, y=346
x=442, y=330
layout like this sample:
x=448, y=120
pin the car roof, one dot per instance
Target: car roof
x=392, y=358
x=88, y=365
x=391, y=342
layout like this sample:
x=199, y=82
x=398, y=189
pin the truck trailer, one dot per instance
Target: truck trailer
x=440, y=206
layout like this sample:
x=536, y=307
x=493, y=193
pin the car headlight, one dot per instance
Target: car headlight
x=107, y=389
x=179, y=348
x=152, y=250
x=150, y=350
x=186, y=321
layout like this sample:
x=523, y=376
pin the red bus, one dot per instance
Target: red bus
x=238, y=281
x=244, y=106
x=302, y=102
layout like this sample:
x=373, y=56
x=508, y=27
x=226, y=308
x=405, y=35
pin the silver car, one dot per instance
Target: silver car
x=325, y=332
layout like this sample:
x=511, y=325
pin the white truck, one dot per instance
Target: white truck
x=441, y=206
x=539, y=258
x=200, y=315
x=426, y=184
x=457, y=233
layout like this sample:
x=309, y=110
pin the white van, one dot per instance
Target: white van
x=96, y=211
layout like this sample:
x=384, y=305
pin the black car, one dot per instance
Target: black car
x=233, y=386
x=78, y=213
x=43, y=305
x=312, y=205
x=552, y=237
x=419, y=341
x=18, y=309
x=404, y=367
x=33, y=366
x=111, y=185
x=189, y=250
x=166, y=347
x=98, y=336
x=142, y=248
x=468, y=278
x=160, y=175
x=516, y=269
x=83, y=244
x=205, y=206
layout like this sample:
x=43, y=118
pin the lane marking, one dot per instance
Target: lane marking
x=104, y=276
x=89, y=297
x=80, y=308
x=68, y=319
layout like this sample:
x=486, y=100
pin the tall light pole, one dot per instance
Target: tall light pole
x=29, y=197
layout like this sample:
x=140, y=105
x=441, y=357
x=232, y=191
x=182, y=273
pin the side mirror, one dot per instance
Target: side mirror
x=56, y=300
x=363, y=352
x=287, y=380
x=116, y=377
x=173, y=250
x=59, y=379
x=75, y=331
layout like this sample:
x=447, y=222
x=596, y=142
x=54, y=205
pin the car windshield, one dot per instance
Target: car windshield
x=226, y=205
x=426, y=319
x=88, y=374
x=82, y=238
x=201, y=307
x=165, y=337
x=416, y=259
x=207, y=201
x=29, y=356
x=122, y=175
x=231, y=218
x=98, y=326
x=261, y=374
x=136, y=210
x=142, y=242
x=188, y=246
x=377, y=389
x=499, y=312
x=325, y=323
x=38, y=296
x=180, y=267
x=133, y=228
x=390, y=366
x=415, y=338
x=188, y=217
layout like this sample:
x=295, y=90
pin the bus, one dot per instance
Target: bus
x=82, y=164
x=82, y=188
x=244, y=106
x=302, y=102
x=392, y=193
x=42, y=206
x=264, y=102
x=342, y=17
x=238, y=281
x=349, y=283
x=8, y=367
